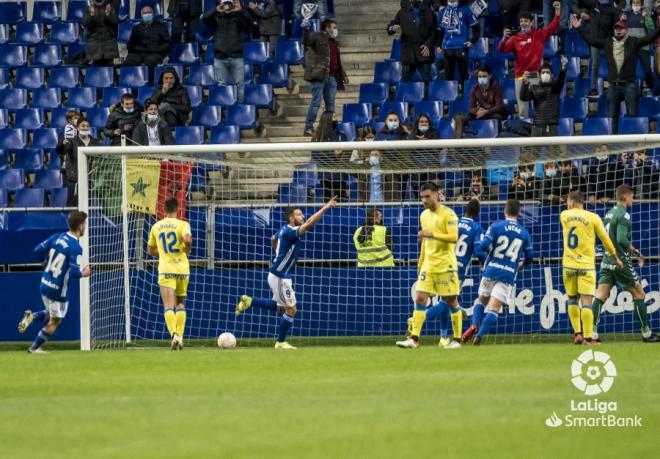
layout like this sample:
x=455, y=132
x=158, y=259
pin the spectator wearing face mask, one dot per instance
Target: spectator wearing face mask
x=69, y=133
x=458, y=30
x=269, y=14
x=101, y=23
x=560, y=179
x=605, y=173
x=478, y=190
x=83, y=139
x=527, y=48
x=122, y=120
x=394, y=185
x=486, y=100
x=423, y=130
x=185, y=15
x=172, y=99
x=640, y=23
x=149, y=42
x=525, y=186
x=545, y=96
x=152, y=130
x=334, y=183
x=370, y=184
x=645, y=176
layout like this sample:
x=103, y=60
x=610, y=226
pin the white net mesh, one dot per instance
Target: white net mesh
x=235, y=203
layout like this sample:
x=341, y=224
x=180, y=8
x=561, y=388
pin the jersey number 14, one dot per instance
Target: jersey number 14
x=55, y=263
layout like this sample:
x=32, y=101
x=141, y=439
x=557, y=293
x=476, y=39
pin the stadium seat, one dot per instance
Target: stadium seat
x=54, y=161
x=572, y=107
x=276, y=75
x=485, y=129
x=387, y=72
x=28, y=118
x=144, y=94
x=565, y=127
x=29, y=159
x=4, y=34
x=223, y=95
x=401, y=108
x=64, y=33
x=12, y=179
x=225, y=135
x=184, y=53
x=133, y=77
x=47, y=55
x=649, y=107
x=373, y=93
x=13, y=55
x=432, y=108
x=443, y=90
x=75, y=10
x=124, y=10
x=58, y=197
x=576, y=46
x=249, y=73
x=29, y=77
x=207, y=116
x=29, y=33
x=124, y=31
x=65, y=77
x=159, y=69
x=46, y=11
x=358, y=114
x=597, y=126
x=289, y=52
x=479, y=50
x=572, y=68
x=82, y=98
x=4, y=118
x=195, y=94
x=189, y=135
x=4, y=160
x=468, y=85
x=45, y=138
x=347, y=132
x=48, y=179
x=457, y=106
x=582, y=86
x=13, y=12
x=112, y=96
x=98, y=116
x=5, y=77
x=508, y=89
x=259, y=95
x=409, y=92
x=499, y=66
x=202, y=75
x=603, y=108
x=75, y=53
x=4, y=201
x=256, y=52
x=100, y=77
x=203, y=34
x=377, y=125
x=13, y=98
x=445, y=129
x=242, y=115
x=46, y=98
x=395, y=51
x=634, y=125
x=551, y=47
x=58, y=118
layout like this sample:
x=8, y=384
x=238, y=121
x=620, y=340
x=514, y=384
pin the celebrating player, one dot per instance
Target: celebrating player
x=619, y=227
x=437, y=265
x=287, y=251
x=508, y=239
x=170, y=240
x=580, y=228
x=62, y=254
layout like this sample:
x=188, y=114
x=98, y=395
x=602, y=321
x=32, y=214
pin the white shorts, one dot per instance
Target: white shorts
x=496, y=289
x=282, y=289
x=56, y=309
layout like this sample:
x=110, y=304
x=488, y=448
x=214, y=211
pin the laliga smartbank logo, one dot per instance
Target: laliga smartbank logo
x=593, y=373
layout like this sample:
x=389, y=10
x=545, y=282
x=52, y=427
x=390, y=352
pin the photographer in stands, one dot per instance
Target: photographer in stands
x=101, y=22
x=545, y=95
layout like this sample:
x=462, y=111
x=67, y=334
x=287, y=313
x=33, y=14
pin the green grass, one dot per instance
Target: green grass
x=378, y=402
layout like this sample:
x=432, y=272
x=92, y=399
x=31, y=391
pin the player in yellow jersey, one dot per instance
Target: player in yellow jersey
x=580, y=228
x=437, y=268
x=171, y=240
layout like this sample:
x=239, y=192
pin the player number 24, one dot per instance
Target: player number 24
x=511, y=249
x=168, y=242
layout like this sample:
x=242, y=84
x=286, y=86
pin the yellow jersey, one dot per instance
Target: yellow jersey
x=168, y=236
x=580, y=229
x=437, y=256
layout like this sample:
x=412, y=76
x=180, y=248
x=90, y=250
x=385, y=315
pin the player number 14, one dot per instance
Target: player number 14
x=55, y=263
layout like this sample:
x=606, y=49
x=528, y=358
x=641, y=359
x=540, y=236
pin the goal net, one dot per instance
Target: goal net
x=235, y=196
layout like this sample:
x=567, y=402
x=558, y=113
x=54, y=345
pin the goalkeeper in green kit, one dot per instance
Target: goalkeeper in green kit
x=619, y=227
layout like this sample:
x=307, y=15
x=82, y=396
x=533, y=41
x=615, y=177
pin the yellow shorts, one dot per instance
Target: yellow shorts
x=177, y=282
x=579, y=281
x=441, y=284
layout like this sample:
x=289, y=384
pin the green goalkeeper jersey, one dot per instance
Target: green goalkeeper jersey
x=619, y=227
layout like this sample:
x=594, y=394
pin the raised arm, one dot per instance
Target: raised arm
x=650, y=37
x=314, y=219
x=590, y=39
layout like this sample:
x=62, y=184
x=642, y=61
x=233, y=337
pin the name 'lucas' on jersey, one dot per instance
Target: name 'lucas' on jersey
x=507, y=241
x=287, y=251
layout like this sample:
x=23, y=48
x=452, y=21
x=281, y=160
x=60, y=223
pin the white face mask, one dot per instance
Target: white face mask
x=637, y=8
x=602, y=158
x=483, y=81
x=452, y=4
x=374, y=160
x=524, y=175
x=546, y=78
x=551, y=172
x=422, y=128
x=129, y=110
x=84, y=134
x=392, y=125
x=152, y=118
x=369, y=139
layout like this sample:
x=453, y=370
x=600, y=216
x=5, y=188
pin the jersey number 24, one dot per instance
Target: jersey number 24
x=506, y=248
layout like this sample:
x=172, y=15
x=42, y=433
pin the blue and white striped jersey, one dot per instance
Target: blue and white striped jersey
x=287, y=251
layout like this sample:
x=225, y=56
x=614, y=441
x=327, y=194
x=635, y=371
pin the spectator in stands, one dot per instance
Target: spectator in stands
x=601, y=16
x=394, y=185
x=512, y=10
x=373, y=242
x=656, y=22
x=323, y=70
x=101, y=22
x=172, y=99
x=184, y=14
x=458, y=30
x=605, y=173
x=548, y=13
x=269, y=15
x=311, y=9
x=478, y=190
x=560, y=179
x=151, y=129
x=423, y=130
x=229, y=21
x=486, y=98
x=83, y=139
x=640, y=23
x=122, y=120
x=69, y=133
x=545, y=95
x=621, y=53
x=370, y=185
x=333, y=183
x=149, y=43
x=418, y=27
x=645, y=176
x=527, y=48
x=525, y=186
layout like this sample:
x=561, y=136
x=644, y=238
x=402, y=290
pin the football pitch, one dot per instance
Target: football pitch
x=320, y=402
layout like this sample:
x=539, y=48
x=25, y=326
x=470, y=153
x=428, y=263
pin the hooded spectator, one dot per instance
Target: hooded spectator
x=152, y=130
x=122, y=120
x=101, y=22
x=185, y=15
x=172, y=99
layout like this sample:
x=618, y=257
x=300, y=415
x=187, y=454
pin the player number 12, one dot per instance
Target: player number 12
x=168, y=240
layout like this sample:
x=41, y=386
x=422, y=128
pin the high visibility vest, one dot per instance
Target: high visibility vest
x=373, y=252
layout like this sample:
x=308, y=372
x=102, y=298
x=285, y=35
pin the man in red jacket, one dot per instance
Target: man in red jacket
x=527, y=48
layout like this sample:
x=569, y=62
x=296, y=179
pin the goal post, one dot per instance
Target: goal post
x=235, y=196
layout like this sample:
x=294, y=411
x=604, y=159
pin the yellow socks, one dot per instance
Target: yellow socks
x=574, y=315
x=170, y=321
x=419, y=315
x=180, y=321
x=587, y=321
x=457, y=322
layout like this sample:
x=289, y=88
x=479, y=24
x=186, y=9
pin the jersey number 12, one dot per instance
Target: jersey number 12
x=169, y=241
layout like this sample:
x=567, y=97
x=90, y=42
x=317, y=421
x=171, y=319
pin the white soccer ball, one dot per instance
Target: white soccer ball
x=226, y=341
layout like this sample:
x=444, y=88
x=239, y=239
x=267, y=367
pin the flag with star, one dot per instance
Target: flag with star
x=142, y=180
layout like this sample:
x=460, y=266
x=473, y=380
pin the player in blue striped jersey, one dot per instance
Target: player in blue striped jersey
x=287, y=250
x=61, y=253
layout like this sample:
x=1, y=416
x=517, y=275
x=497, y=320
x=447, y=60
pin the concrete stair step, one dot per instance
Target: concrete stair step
x=283, y=158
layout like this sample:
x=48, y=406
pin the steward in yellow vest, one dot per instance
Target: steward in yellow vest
x=372, y=242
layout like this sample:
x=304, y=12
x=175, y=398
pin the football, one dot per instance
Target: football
x=226, y=341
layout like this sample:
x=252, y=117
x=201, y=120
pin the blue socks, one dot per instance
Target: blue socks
x=440, y=310
x=285, y=325
x=41, y=316
x=477, y=313
x=436, y=310
x=41, y=338
x=269, y=305
x=489, y=320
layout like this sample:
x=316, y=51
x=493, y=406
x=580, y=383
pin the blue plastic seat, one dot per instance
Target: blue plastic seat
x=13, y=55
x=46, y=11
x=64, y=33
x=29, y=77
x=597, y=126
x=395, y=51
x=432, y=108
x=634, y=125
x=48, y=179
x=75, y=10
x=45, y=138
x=259, y=95
x=603, y=108
x=4, y=201
x=29, y=118
x=203, y=34
x=444, y=128
x=443, y=90
x=100, y=77
x=58, y=197
x=112, y=96
x=159, y=69
x=401, y=108
x=485, y=129
x=457, y=106
x=496, y=49
x=5, y=77
x=133, y=77
x=387, y=72
x=289, y=52
x=98, y=116
x=29, y=33
x=47, y=55
x=184, y=53
x=13, y=12
x=124, y=10
x=202, y=75
x=4, y=160
x=227, y=134
x=82, y=98
x=46, y=98
x=566, y=127
x=189, y=135
x=276, y=75
x=499, y=66
x=409, y=92
x=576, y=46
x=13, y=98
x=29, y=159
x=347, y=132
x=582, y=86
x=479, y=50
x=373, y=93
x=649, y=107
x=195, y=94
x=358, y=114
x=256, y=52
x=54, y=161
x=242, y=115
x=572, y=68
x=551, y=47
x=208, y=116
x=223, y=95
x=508, y=89
x=65, y=77
x=12, y=179
x=58, y=118
x=4, y=34
x=573, y=107
x=124, y=31
x=4, y=118
x=144, y=94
